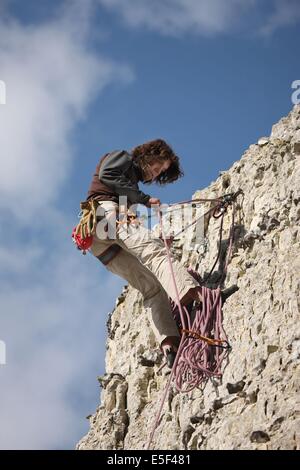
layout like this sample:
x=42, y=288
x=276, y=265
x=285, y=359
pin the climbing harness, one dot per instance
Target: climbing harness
x=204, y=344
x=84, y=231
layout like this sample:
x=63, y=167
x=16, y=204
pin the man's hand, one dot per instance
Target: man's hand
x=153, y=201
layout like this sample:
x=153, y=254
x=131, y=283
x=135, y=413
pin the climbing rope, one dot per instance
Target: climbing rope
x=204, y=344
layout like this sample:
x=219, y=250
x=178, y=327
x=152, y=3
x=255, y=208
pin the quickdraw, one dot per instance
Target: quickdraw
x=128, y=218
x=218, y=343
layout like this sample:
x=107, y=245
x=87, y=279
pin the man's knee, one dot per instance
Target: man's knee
x=152, y=292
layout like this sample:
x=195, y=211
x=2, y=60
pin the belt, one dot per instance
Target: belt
x=109, y=254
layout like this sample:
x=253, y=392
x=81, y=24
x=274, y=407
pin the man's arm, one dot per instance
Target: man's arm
x=113, y=174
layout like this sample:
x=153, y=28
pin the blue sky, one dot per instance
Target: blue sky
x=84, y=78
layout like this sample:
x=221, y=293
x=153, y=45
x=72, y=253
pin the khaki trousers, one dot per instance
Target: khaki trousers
x=143, y=263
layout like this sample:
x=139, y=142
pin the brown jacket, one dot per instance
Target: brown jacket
x=117, y=174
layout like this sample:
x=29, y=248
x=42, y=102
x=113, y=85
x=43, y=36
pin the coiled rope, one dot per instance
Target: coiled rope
x=204, y=344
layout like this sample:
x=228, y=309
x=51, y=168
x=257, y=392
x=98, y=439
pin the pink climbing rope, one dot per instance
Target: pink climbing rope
x=203, y=345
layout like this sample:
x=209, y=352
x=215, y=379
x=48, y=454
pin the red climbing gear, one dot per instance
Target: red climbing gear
x=83, y=244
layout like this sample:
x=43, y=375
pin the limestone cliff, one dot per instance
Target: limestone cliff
x=255, y=405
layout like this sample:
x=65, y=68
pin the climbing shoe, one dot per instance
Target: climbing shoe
x=225, y=294
x=169, y=349
x=170, y=357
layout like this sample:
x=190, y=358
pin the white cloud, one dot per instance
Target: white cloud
x=205, y=17
x=174, y=17
x=18, y=260
x=285, y=13
x=53, y=301
x=54, y=330
x=51, y=77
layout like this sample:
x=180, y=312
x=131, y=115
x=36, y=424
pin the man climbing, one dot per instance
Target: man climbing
x=134, y=254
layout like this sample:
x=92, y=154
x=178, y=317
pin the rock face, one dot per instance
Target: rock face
x=255, y=404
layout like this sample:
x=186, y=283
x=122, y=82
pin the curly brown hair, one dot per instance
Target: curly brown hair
x=158, y=150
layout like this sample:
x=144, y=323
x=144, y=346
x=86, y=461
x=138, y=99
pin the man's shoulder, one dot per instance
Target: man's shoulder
x=116, y=158
x=117, y=153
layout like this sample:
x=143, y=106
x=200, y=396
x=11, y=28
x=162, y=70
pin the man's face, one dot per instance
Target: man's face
x=154, y=169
